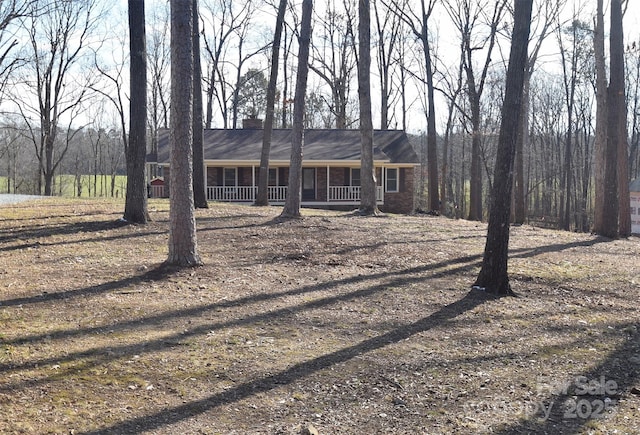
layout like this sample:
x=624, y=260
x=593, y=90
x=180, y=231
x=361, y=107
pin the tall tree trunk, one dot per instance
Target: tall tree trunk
x=618, y=87
x=432, y=136
x=48, y=169
x=135, y=208
x=368, y=205
x=292, y=203
x=199, y=176
x=615, y=207
x=568, y=174
x=610, y=206
x=601, y=120
x=493, y=276
x=475, y=194
x=519, y=197
x=183, y=246
x=262, y=198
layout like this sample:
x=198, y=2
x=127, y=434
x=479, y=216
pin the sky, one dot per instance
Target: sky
x=447, y=44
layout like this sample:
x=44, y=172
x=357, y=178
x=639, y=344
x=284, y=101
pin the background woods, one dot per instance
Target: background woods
x=437, y=70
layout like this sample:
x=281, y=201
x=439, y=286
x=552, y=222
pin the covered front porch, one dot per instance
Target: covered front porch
x=320, y=185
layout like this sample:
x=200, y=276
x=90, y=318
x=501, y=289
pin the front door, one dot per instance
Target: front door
x=308, y=184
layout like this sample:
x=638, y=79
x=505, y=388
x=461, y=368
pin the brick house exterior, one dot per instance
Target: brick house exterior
x=331, y=167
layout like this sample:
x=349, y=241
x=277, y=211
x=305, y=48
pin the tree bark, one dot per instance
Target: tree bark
x=619, y=124
x=432, y=135
x=519, y=197
x=135, y=209
x=262, y=197
x=475, y=194
x=368, y=204
x=475, y=86
x=493, y=276
x=601, y=120
x=292, y=202
x=199, y=176
x=183, y=247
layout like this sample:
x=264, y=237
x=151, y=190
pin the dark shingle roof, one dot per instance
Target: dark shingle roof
x=319, y=145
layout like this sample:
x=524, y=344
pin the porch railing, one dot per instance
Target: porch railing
x=231, y=193
x=279, y=193
x=244, y=193
x=350, y=193
x=276, y=193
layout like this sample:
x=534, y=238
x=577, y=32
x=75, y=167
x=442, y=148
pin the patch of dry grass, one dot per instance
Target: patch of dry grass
x=354, y=325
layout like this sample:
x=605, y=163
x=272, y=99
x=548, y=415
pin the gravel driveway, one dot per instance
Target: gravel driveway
x=14, y=199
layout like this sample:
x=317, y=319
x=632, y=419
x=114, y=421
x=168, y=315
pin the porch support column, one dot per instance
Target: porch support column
x=206, y=182
x=253, y=182
x=328, y=182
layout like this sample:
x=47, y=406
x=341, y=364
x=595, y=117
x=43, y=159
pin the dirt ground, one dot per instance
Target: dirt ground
x=333, y=324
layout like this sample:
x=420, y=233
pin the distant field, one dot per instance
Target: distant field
x=65, y=185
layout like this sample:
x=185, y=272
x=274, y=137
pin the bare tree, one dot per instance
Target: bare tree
x=388, y=27
x=418, y=22
x=10, y=12
x=493, y=276
x=368, y=204
x=58, y=38
x=183, y=246
x=467, y=16
x=199, y=189
x=262, y=197
x=135, y=207
x=432, y=150
x=286, y=101
x=158, y=70
x=633, y=83
x=239, y=93
x=616, y=216
x=452, y=92
x=111, y=89
x=601, y=117
x=573, y=66
x=227, y=19
x=546, y=13
x=617, y=85
x=292, y=203
x=11, y=147
x=334, y=59
x=234, y=29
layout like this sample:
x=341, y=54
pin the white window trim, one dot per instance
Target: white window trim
x=351, y=177
x=277, y=171
x=397, y=178
x=224, y=176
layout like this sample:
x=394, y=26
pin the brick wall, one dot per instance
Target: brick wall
x=402, y=201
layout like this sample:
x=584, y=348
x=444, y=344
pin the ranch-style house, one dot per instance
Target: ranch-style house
x=330, y=173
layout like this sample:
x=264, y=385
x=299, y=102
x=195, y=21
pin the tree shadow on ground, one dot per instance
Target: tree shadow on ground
x=397, y=278
x=156, y=274
x=570, y=405
x=269, y=382
x=440, y=269
x=32, y=234
x=298, y=371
